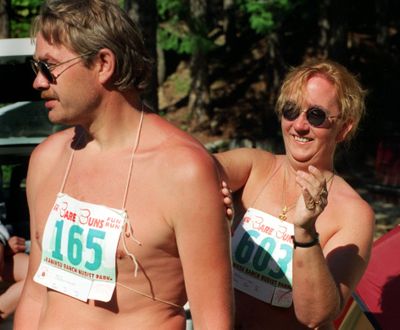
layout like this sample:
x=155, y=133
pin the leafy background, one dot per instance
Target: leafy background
x=220, y=64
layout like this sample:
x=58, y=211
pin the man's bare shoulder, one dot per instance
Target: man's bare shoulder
x=187, y=159
x=48, y=155
x=177, y=150
x=182, y=159
x=186, y=176
x=53, y=145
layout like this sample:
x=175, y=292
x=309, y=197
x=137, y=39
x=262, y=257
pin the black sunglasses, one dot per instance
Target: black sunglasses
x=315, y=115
x=46, y=69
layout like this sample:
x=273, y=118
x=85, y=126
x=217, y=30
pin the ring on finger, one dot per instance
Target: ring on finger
x=321, y=202
x=323, y=192
x=310, y=204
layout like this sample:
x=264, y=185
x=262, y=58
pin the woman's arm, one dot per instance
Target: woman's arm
x=237, y=165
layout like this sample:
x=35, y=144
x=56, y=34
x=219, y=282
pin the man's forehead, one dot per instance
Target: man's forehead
x=45, y=48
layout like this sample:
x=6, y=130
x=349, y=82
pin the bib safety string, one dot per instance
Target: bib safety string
x=265, y=184
x=149, y=296
x=130, y=234
x=128, y=230
x=132, y=158
x=71, y=157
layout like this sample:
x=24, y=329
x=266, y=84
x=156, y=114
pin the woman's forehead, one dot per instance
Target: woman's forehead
x=314, y=89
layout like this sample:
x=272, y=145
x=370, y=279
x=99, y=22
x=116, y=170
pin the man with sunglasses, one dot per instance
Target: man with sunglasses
x=301, y=235
x=118, y=242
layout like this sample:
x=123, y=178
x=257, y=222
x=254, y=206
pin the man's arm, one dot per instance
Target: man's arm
x=203, y=240
x=4, y=236
x=30, y=304
x=1, y=258
x=29, y=307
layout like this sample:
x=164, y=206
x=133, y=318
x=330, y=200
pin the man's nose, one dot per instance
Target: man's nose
x=40, y=82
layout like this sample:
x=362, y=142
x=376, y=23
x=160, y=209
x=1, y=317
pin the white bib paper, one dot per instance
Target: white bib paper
x=78, y=249
x=262, y=251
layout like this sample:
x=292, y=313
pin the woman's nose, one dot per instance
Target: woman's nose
x=301, y=122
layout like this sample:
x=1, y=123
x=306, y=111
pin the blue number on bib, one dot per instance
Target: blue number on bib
x=56, y=254
x=98, y=253
x=262, y=260
x=282, y=262
x=245, y=247
x=263, y=255
x=75, y=247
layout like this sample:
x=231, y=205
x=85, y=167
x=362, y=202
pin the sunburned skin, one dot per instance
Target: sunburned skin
x=91, y=74
x=158, y=289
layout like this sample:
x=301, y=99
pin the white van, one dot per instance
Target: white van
x=23, y=124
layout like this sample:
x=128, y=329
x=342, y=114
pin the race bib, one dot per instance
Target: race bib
x=78, y=249
x=262, y=257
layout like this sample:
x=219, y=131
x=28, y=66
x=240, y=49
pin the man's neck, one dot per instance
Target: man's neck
x=116, y=122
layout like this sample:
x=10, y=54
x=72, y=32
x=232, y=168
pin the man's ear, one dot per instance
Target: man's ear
x=106, y=65
x=346, y=128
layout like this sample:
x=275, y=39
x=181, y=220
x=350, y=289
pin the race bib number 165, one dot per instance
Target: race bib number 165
x=78, y=249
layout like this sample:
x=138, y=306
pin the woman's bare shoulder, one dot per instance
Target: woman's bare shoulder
x=347, y=201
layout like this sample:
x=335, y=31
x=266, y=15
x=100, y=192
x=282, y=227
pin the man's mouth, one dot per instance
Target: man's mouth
x=48, y=103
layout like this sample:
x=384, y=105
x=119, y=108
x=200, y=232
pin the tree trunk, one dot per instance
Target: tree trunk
x=382, y=11
x=333, y=24
x=324, y=27
x=275, y=69
x=144, y=13
x=339, y=31
x=199, y=97
x=4, y=19
x=229, y=25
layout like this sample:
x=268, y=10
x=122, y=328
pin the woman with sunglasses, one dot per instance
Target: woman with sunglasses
x=301, y=235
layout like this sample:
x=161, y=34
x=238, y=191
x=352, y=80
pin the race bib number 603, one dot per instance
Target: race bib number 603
x=262, y=252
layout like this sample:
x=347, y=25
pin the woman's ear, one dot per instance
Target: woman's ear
x=345, y=129
x=106, y=65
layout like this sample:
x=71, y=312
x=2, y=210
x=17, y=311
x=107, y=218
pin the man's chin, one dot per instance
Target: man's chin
x=57, y=120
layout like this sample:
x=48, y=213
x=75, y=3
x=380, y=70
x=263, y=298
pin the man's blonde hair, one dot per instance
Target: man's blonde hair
x=86, y=26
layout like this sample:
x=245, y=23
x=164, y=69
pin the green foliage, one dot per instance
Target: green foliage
x=171, y=8
x=6, y=169
x=177, y=30
x=182, y=84
x=173, y=33
x=262, y=13
x=178, y=33
x=181, y=41
x=22, y=12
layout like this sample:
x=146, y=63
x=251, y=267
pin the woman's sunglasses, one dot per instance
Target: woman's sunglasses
x=315, y=115
x=46, y=69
